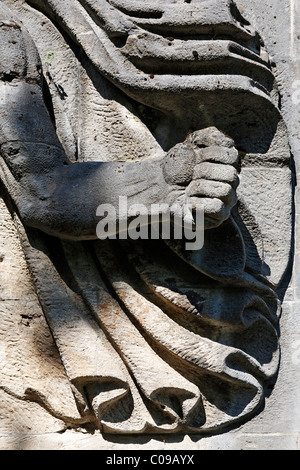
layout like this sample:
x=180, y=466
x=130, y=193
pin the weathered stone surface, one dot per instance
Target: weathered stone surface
x=161, y=102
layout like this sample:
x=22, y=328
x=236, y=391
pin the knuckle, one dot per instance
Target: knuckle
x=225, y=190
x=217, y=154
x=233, y=155
x=230, y=174
x=235, y=179
x=211, y=136
x=220, y=210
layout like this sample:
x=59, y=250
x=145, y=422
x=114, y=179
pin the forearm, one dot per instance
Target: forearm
x=69, y=208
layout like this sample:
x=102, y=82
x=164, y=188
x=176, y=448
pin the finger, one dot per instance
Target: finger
x=217, y=172
x=212, y=207
x=213, y=189
x=227, y=156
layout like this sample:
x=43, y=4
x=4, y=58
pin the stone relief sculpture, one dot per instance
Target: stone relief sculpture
x=162, y=101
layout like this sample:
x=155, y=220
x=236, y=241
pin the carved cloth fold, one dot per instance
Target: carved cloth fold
x=151, y=343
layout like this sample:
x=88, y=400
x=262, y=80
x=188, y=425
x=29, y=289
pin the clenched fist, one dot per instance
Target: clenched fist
x=201, y=171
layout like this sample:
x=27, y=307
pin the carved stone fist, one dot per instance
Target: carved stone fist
x=201, y=170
